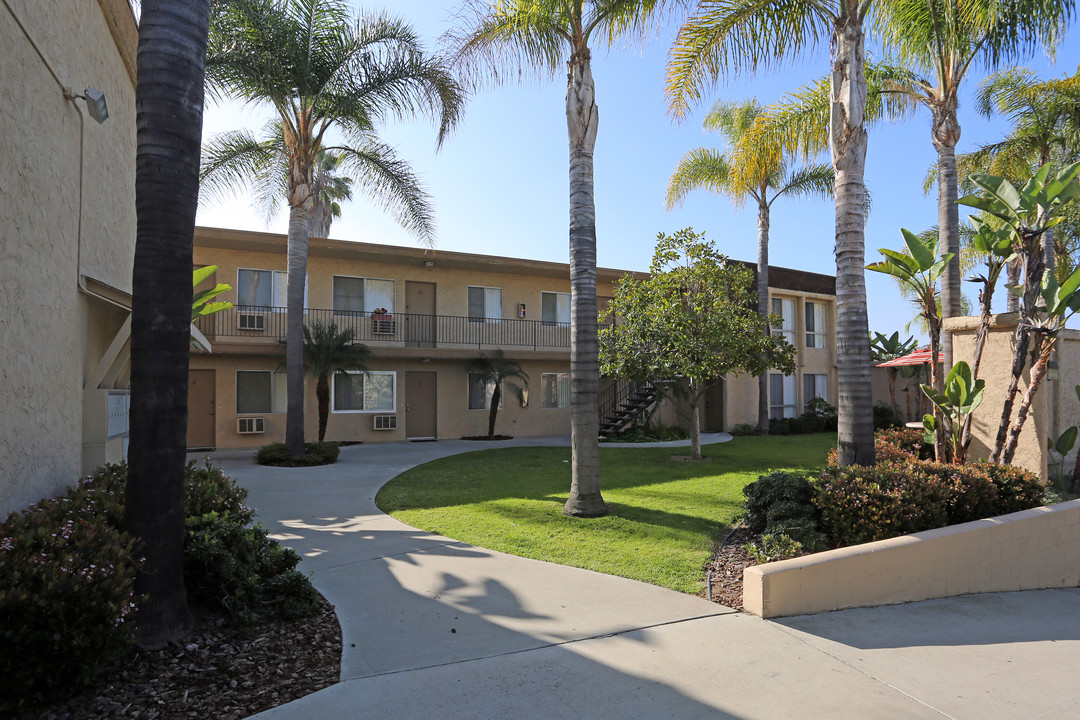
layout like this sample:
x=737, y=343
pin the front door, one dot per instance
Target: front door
x=420, y=314
x=714, y=407
x=201, y=399
x=419, y=405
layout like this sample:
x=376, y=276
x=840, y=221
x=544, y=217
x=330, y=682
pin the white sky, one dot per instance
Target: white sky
x=499, y=185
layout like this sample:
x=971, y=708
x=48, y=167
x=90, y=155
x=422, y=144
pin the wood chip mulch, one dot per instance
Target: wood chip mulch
x=214, y=673
x=727, y=567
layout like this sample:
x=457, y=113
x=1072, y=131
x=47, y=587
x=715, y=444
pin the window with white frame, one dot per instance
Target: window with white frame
x=373, y=391
x=485, y=303
x=555, y=390
x=555, y=307
x=263, y=288
x=785, y=308
x=815, y=386
x=815, y=324
x=480, y=392
x=781, y=396
x=260, y=392
x=354, y=295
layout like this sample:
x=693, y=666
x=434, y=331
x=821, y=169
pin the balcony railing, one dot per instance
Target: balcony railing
x=246, y=323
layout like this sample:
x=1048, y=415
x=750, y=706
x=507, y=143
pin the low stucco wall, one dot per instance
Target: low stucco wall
x=1028, y=550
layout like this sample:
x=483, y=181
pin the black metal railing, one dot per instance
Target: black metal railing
x=622, y=402
x=409, y=330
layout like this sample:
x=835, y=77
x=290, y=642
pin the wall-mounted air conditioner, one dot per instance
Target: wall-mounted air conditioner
x=251, y=321
x=384, y=422
x=250, y=425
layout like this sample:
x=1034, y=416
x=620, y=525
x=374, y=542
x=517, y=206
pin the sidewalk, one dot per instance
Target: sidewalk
x=434, y=628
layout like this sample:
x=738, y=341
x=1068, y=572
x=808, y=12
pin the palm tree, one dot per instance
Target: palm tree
x=321, y=70
x=545, y=37
x=330, y=188
x=497, y=371
x=724, y=38
x=944, y=38
x=169, y=106
x=704, y=168
x=328, y=350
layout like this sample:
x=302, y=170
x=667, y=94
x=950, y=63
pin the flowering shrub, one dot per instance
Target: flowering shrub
x=66, y=595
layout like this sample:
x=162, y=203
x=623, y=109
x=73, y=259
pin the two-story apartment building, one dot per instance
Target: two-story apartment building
x=427, y=316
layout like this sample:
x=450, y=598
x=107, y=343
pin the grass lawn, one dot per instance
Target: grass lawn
x=665, y=514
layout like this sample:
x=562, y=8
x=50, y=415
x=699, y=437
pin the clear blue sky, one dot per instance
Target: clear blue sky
x=499, y=185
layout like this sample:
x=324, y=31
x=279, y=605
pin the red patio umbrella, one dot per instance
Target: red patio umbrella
x=919, y=357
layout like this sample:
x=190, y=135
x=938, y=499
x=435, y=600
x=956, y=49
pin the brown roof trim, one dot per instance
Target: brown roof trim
x=782, y=278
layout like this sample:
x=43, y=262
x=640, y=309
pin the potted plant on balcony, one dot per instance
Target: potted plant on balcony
x=381, y=314
x=382, y=322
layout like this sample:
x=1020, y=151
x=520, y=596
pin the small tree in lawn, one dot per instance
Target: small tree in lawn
x=328, y=350
x=1045, y=305
x=692, y=322
x=497, y=371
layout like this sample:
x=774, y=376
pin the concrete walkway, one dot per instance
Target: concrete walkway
x=434, y=628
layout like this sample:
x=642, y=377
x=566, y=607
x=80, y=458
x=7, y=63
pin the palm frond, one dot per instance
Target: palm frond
x=237, y=160
x=702, y=169
x=811, y=181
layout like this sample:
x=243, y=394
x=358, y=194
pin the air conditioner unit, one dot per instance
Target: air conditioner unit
x=384, y=422
x=383, y=327
x=250, y=425
x=251, y=321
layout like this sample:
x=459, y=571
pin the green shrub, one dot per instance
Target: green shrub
x=786, y=491
x=886, y=416
x=773, y=548
x=1017, y=489
x=780, y=427
x=744, y=429
x=209, y=490
x=241, y=570
x=323, y=453
x=66, y=595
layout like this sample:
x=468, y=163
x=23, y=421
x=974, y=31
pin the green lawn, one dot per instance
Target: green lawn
x=665, y=514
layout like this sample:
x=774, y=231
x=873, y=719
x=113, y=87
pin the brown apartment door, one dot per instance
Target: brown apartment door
x=420, y=317
x=419, y=405
x=201, y=399
x=714, y=407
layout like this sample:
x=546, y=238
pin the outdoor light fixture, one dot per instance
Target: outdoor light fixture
x=429, y=263
x=95, y=103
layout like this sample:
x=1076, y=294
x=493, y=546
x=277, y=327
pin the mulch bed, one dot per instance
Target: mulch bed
x=726, y=568
x=214, y=673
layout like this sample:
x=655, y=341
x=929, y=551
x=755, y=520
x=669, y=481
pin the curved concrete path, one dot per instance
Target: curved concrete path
x=434, y=628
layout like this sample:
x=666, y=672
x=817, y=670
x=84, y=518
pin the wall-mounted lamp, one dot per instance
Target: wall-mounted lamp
x=95, y=102
x=429, y=263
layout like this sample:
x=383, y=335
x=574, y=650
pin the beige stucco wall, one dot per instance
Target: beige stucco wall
x=996, y=369
x=50, y=236
x=912, y=398
x=1027, y=550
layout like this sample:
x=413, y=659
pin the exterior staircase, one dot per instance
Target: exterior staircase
x=623, y=403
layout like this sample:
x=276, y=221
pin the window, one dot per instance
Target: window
x=785, y=308
x=260, y=392
x=815, y=386
x=781, y=396
x=555, y=390
x=485, y=302
x=363, y=392
x=555, y=307
x=815, y=325
x=356, y=295
x=480, y=392
x=265, y=288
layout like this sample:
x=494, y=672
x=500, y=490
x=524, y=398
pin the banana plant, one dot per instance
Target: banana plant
x=919, y=270
x=962, y=394
x=1061, y=447
x=200, y=302
x=1027, y=212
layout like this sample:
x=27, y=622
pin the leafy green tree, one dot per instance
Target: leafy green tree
x=1045, y=305
x=168, y=111
x=725, y=174
x=329, y=350
x=498, y=372
x=689, y=324
x=323, y=72
x=733, y=37
x=330, y=189
x=518, y=38
x=889, y=348
x=943, y=39
x=919, y=270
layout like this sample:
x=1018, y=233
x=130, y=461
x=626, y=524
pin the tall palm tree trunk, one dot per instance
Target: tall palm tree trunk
x=294, y=332
x=169, y=109
x=847, y=144
x=945, y=134
x=763, y=306
x=582, y=118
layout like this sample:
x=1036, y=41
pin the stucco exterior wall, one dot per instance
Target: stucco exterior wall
x=66, y=209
